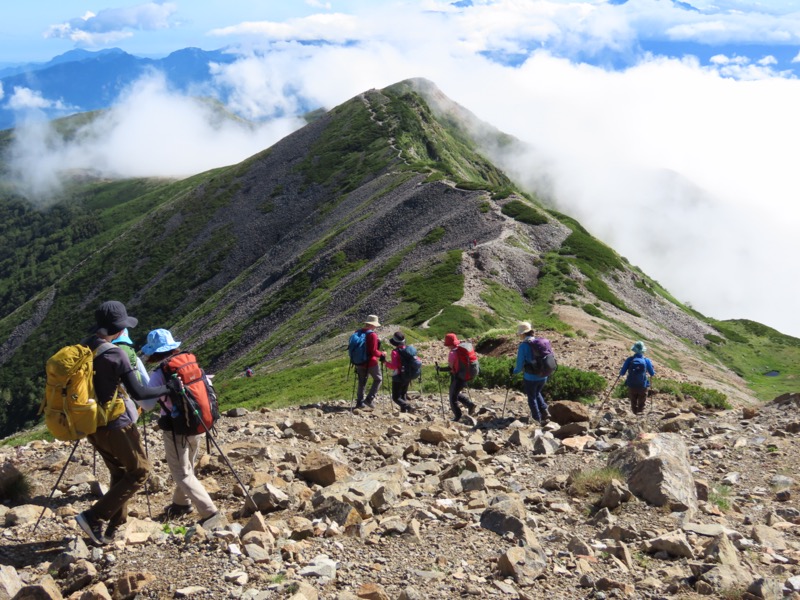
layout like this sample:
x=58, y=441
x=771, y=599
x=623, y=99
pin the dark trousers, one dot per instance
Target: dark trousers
x=638, y=398
x=123, y=454
x=456, y=397
x=536, y=402
x=400, y=392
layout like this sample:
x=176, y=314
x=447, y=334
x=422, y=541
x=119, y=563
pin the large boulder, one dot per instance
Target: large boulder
x=656, y=467
x=566, y=411
x=369, y=492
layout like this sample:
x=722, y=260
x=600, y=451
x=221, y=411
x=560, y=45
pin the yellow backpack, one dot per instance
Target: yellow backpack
x=70, y=409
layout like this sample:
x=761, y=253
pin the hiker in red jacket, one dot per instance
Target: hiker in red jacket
x=371, y=367
x=459, y=375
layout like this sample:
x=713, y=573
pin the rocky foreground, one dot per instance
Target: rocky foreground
x=677, y=503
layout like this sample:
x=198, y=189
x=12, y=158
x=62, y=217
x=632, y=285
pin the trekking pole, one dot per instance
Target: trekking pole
x=608, y=395
x=192, y=404
x=439, y=381
x=508, y=387
x=147, y=456
x=53, y=491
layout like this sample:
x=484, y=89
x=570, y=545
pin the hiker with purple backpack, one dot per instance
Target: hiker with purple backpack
x=638, y=368
x=533, y=356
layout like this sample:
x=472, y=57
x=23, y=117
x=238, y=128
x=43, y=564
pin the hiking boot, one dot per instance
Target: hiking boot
x=92, y=527
x=111, y=532
x=471, y=408
x=358, y=405
x=210, y=521
x=369, y=403
x=407, y=409
x=173, y=511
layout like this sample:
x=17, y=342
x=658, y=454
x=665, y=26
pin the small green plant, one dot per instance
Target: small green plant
x=171, y=529
x=433, y=236
x=643, y=560
x=278, y=578
x=732, y=593
x=592, y=310
x=719, y=496
x=594, y=480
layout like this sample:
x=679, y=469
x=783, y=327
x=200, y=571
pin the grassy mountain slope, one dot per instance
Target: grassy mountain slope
x=382, y=205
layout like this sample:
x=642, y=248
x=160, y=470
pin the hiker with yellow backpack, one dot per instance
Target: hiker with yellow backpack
x=89, y=389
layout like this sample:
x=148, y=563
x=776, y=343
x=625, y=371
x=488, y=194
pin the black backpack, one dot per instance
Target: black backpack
x=411, y=365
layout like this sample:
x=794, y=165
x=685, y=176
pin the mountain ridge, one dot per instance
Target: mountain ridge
x=378, y=206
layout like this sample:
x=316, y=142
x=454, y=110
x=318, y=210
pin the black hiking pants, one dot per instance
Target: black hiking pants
x=400, y=393
x=456, y=397
x=638, y=398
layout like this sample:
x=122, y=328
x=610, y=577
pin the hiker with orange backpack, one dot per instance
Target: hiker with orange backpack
x=533, y=378
x=462, y=364
x=638, y=368
x=117, y=440
x=181, y=440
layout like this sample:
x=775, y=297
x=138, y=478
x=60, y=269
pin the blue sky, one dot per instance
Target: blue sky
x=668, y=128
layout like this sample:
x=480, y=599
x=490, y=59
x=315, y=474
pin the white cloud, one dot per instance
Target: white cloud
x=335, y=27
x=113, y=24
x=2, y=93
x=24, y=99
x=151, y=132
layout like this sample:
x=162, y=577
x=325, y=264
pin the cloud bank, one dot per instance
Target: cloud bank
x=684, y=168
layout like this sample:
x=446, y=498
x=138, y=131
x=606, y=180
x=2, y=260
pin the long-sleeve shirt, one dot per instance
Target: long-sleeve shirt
x=373, y=353
x=396, y=363
x=525, y=354
x=648, y=365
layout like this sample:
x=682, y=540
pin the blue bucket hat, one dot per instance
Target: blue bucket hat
x=639, y=348
x=159, y=340
x=124, y=338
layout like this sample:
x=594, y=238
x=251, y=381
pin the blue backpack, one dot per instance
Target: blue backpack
x=357, y=347
x=637, y=373
x=411, y=364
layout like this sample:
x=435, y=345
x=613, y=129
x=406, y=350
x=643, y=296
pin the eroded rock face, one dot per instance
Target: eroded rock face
x=657, y=469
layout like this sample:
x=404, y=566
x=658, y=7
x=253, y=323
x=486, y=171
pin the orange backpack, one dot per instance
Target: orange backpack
x=197, y=409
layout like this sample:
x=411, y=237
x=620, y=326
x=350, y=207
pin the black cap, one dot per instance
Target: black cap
x=398, y=339
x=112, y=317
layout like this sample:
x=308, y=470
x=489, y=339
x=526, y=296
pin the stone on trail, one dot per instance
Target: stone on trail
x=657, y=469
x=567, y=411
x=46, y=589
x=523, y=563
x=323, y=469
x=435, y=434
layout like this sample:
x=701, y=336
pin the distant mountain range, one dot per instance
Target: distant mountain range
x=81, y=81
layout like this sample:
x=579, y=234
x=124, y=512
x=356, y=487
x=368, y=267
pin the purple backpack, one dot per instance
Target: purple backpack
x=544, y=361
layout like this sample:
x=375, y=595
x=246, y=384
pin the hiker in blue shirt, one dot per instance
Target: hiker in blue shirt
x=638, y=368
x=532, y=384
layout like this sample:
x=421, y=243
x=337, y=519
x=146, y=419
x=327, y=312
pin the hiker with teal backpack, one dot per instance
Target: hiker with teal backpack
x=405, y=368
x=638, y=368
x=366, y=356
x=536, y=361
x=462, y=364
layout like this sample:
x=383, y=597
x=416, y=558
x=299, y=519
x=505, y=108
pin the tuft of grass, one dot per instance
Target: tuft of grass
x=523, y=213
x=170, y=529
x=16, y=489
x=593, y=480
x=719, y=495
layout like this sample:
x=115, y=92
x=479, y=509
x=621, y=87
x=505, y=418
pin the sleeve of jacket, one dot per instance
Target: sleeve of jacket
x=625, y=366
x=650, y=369
x=372, y=345
x=520, y=358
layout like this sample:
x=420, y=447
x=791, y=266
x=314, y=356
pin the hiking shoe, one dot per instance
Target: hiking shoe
x=471, y=408
x=204, y=521
x=173, y=511
x=92, y=527
x=407, y=409
x=111, y=532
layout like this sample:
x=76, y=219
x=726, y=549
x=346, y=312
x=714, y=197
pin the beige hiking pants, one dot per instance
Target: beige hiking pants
x=181, y=453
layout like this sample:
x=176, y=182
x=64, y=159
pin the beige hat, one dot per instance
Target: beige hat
x=372, y=320
x=523, y=327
